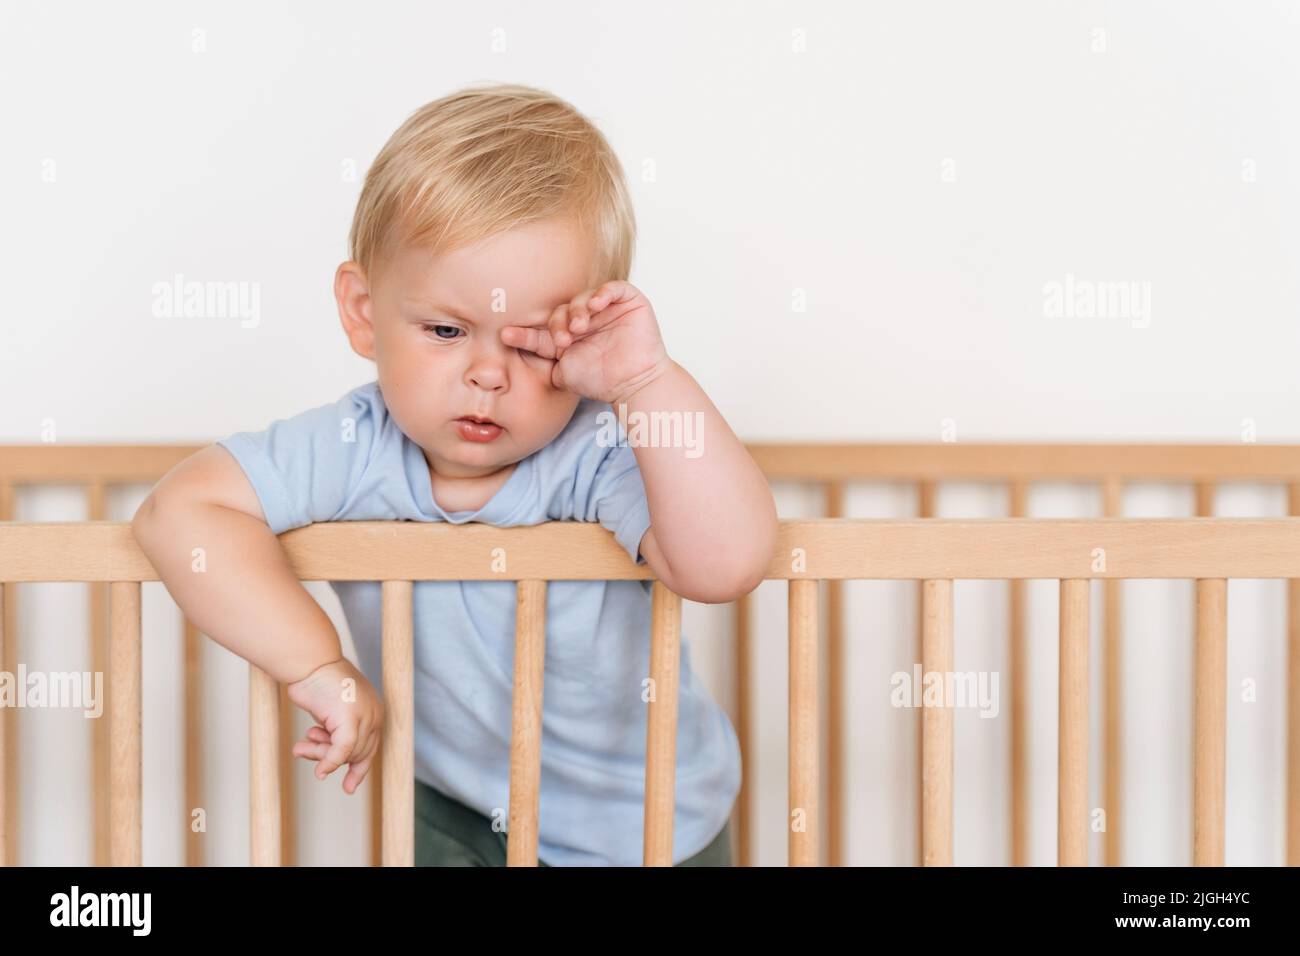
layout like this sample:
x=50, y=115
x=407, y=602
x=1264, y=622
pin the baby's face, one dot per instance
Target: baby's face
x=435, y=330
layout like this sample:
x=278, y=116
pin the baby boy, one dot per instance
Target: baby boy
x=490, y=252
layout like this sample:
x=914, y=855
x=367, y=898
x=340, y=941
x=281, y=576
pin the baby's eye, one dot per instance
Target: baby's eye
x=435, y=329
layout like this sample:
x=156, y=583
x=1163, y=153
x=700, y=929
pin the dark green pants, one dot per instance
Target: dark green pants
x=448, y=833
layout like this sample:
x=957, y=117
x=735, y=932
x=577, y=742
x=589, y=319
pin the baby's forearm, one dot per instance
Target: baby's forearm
x=711, y=509
x=238, y=587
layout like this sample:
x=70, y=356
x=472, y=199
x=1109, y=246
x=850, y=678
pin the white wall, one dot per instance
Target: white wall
x=917, y=175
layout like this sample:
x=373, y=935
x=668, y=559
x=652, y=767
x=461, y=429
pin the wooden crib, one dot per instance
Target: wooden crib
x=932, y=551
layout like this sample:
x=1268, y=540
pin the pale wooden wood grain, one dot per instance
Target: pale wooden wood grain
x=526, y=722
x=1293, y=702
x=9, y=855
x=1072, y=730
x=194, y=846
x=805, y=715
x=124, y=704
x=661, y=725
x=856, y=548
x=398, y=739
x=264, y=767
x=1112, y=657
x=936, y=726
x=1018, y=713
x=1211, y=719
x=743, y=850
x=836, y=701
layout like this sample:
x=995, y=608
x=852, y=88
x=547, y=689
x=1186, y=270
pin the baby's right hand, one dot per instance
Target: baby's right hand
x=349, y=717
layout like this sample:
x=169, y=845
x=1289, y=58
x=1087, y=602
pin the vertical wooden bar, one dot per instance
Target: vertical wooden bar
x=925, y=497
x=97, y=510
x=288, y=823
x=376, y=782
x=805, y=781
x=1293, y=701
x=936, y=726
x=1072, y=755
x=743, y=851
x=125, y=791
x=9, y=715
x=1112, y=659
x=3, y=753
x=1018, y=507
x=194, y=855
x=661, y=725
x=526, y=723
x=397, y=653
x=1211, y=720
x=836, y=668
x=264, y=767
x=1205, y=499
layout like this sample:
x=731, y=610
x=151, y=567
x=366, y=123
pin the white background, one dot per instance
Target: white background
x=917, y=172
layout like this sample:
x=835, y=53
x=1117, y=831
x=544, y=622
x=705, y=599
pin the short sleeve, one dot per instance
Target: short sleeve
x=618, y=496
x=303, y=467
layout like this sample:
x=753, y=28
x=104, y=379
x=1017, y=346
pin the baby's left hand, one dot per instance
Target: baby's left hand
x=605, y=341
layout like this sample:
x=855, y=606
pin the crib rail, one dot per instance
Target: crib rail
x=830, y=467
x=936, y=552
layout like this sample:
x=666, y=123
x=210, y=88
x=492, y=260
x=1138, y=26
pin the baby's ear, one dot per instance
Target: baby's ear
x=352, y=293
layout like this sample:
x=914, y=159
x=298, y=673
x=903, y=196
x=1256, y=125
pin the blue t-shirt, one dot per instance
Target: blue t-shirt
x=348, y=461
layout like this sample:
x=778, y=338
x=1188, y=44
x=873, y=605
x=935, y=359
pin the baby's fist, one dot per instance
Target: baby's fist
x=349, y=719
x=605, y=341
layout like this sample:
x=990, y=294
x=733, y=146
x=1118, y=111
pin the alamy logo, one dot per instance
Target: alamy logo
x=946, y=689
x=1089, y=299
x=652, y=430
x=67, y=689
x=102, y=909
x=179, y=299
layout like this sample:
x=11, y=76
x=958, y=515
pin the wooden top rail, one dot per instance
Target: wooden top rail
x=818, y=549
x=954, y=461
x=68, y=464
x=1040, y=461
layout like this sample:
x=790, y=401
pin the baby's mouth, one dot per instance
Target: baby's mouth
x=477, y=428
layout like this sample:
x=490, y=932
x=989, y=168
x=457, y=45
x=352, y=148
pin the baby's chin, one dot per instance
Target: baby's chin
x=483, y=458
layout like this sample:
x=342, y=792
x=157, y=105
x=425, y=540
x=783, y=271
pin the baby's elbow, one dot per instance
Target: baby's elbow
x=146, y=521
x=723, y=588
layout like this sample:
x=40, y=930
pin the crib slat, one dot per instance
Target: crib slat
x=194, y=855
x=743, y=851
x=97, y=510
x=125, y=793
x=661, y=725
x=1293, y=701
x=1072, y=750
x=398, y=743
x=805, y=782
x=526, y=723
x=936, y=726
x=264, y=767
x=1211, y=720
x=1018, y=507
x=925, y=495
x=376, y=781
x=836, y=675
x=284, y=754
x=4, y=757
x=9, y=715
x=1112, y=664
x=1205, y=493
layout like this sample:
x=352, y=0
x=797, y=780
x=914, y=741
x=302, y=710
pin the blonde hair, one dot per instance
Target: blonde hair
x=485, y=159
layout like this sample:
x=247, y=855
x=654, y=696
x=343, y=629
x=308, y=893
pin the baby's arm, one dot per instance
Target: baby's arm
x=713, y=519
x=713, y=524
x=241, y=591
